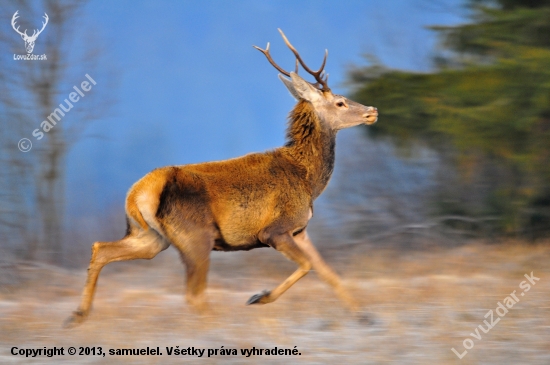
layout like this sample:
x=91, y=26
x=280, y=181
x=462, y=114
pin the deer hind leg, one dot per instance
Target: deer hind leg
x=286, y=245
x=138, y=244
x=324, y=271
x=194, y=246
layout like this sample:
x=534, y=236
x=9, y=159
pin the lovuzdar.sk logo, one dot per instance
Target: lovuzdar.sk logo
x=29, y=40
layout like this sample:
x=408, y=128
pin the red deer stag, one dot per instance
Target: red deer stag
x=258, y=200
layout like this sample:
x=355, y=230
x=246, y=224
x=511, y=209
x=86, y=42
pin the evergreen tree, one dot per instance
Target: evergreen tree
x=486, y=109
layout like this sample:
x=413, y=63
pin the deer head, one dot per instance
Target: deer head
x=336, y=111
x=29, y=40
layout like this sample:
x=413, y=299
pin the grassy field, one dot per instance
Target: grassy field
x=420, y=304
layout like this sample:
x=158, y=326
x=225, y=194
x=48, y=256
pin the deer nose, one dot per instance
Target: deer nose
x=371, y=111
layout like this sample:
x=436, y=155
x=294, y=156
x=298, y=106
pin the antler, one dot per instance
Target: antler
x=43, y=26
x=268, y=56
x=317, y=74
x=34, y=34
x=15, y=16
x=320, y=76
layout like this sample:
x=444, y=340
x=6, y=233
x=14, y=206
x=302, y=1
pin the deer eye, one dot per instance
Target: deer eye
x=340, y=103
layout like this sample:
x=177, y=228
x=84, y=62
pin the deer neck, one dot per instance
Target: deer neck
x=311, y=145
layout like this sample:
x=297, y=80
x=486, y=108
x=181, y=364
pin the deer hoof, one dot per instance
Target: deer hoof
x=258, y=298
x=74, y=320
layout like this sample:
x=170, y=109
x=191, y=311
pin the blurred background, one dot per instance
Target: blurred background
x=450, y=188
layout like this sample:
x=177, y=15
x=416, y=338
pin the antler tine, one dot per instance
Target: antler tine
x=13, y=19
x=268, y=56
x=317, y=74
x=46, y=18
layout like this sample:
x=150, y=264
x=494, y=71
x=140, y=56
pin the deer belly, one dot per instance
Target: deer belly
x=221, y=245
x=233, y=236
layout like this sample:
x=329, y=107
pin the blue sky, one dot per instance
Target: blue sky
x=189, y=87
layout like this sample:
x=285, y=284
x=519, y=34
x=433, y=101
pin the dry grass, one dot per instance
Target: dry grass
x=422, y=304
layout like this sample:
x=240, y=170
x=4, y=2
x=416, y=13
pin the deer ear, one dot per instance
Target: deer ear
x=290, y=87
x=304, y=89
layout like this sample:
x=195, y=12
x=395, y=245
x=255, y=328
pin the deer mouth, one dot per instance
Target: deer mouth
x=371, y=118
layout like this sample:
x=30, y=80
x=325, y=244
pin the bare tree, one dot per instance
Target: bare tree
x=33, y=183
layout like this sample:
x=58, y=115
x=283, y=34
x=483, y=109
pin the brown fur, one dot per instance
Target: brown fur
x=258, y=200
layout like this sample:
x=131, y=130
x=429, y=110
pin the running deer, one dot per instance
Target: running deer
x=258, y=200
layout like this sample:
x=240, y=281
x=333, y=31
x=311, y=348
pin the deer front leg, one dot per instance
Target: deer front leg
x=325, y=272
x=285, y=244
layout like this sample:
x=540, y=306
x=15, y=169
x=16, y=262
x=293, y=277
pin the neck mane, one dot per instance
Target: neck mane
x=311, y=145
